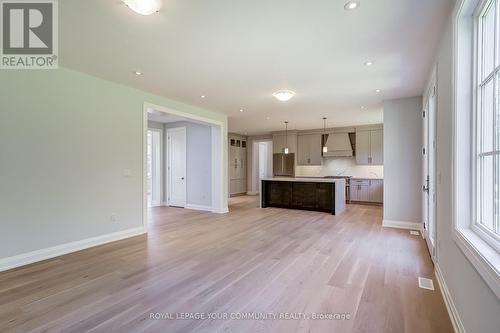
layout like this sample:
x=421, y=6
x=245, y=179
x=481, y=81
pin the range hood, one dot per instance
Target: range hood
x=339, y=145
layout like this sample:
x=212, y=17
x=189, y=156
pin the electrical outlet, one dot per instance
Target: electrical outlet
x=113, y=217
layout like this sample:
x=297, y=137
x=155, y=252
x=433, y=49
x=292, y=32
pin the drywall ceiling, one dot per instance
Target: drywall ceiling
x=238, y=52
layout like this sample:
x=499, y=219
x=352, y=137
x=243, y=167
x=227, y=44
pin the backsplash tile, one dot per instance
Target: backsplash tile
x=345, y=166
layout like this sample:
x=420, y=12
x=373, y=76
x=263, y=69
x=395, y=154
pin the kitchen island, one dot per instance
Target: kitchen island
x=318, y=194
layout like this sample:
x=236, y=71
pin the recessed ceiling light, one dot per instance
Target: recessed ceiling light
x=203, y=96
x=241, y=110
x=351, y=5
x=362, y=107
x=138, y=73
x=144, y=7
x=378, y=90
x=369, y=63
x=268, y=118
x=284, y=95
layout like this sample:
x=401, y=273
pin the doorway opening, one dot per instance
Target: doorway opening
x=262, y=166
x=184, y=163
x=429, y=166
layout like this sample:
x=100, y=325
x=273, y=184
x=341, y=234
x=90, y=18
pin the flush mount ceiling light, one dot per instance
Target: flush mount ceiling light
x=351, y=5
x=144, y=7
x=203, y=96
x=378, y=91
x=284, y=95
x=369, y=63
x=138, y=73
x=241, y=110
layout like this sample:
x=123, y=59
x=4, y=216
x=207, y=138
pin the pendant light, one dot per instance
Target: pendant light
x=325, y=148
x=285, y=149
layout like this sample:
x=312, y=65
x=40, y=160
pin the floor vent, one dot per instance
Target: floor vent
x=425, y=283
x=414, y=233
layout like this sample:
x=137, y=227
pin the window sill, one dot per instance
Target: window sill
x=482, y=256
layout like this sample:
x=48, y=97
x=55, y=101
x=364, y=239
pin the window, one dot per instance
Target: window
x=476, y=137
x=487, y=125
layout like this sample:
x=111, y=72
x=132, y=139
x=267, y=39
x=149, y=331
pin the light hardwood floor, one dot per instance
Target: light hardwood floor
x=251, y=260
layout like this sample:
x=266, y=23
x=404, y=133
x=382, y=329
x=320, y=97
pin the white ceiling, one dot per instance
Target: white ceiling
x=238, y=52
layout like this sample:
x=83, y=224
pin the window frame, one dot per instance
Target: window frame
x=469, y=237
x=478, y=84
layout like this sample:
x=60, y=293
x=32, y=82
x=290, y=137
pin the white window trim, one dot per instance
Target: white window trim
x=480, y=253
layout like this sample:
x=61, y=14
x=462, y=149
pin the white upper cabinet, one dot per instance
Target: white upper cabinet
x=377, y=147
x=280, y=141
x=363, y=147
x=370, y=147
x=309, y=149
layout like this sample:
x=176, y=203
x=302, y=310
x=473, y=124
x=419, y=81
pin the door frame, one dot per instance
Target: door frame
x=169, y=172
x=219, y=157
x=428, y=147
x=160, y=180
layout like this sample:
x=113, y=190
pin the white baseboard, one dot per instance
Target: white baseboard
x=164, y=203
x=448, y=300
x=252, y=193
x=199, y=207
x=402, y=225
x=221, y=211
x=55, y=251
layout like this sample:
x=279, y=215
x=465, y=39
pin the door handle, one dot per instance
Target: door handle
x=182, y=178
x=425, y=187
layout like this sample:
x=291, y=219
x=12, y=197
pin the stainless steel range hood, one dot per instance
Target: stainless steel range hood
x=339, y=145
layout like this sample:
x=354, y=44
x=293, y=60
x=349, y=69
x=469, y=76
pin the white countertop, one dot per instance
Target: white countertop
x=306, y=180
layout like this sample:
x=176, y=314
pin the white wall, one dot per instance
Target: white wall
x=199, y=162
x=65, y=140
x=477, y=305
x=402, y=160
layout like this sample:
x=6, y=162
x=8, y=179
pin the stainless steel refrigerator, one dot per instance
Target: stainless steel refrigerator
x=284, y=165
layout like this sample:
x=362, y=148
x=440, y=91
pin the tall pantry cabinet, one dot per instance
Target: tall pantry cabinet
x=237, y=164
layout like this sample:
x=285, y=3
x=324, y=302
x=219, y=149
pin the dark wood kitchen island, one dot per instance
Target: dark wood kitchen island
x=318, y=194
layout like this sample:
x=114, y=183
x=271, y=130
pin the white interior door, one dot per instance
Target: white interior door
x=176, y=138
x=429, y=170
x=154, y=167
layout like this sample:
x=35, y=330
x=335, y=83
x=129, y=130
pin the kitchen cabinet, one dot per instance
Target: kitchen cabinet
x=359, y=190
x=376, y=190
x=370, y=147
x=237, y=165
x=367, y=190
x=323, y=196
x=309, y=149
x=280, y=141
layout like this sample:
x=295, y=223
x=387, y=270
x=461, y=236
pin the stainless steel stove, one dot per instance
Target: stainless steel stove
x=347, y=185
